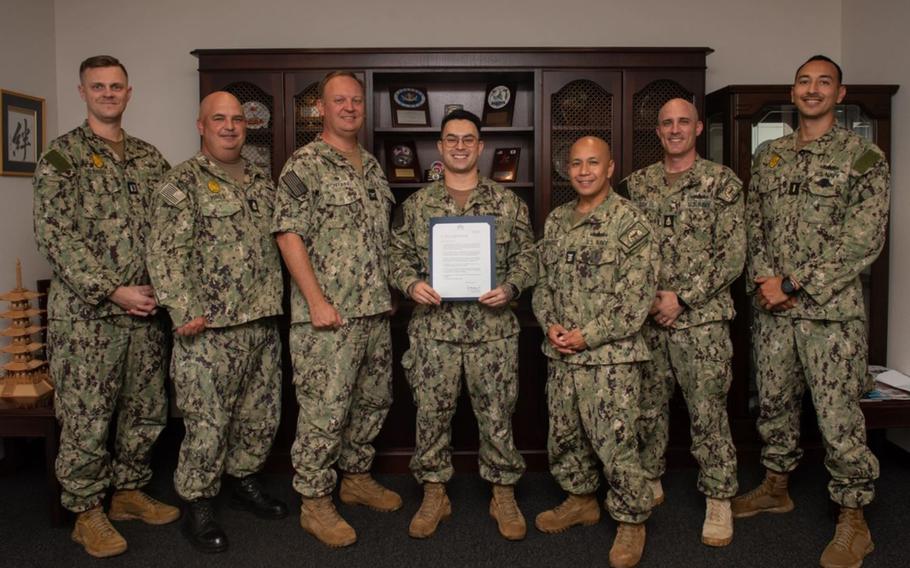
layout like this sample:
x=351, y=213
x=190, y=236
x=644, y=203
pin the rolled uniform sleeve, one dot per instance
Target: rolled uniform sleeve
x=862, y=233
x=59, y=239
x=170, y=253
x=634, y=289
x=725, y=263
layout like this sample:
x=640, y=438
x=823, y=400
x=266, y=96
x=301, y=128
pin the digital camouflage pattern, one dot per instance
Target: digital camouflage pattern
x=818, y=214
x=698, y=358
x=343, y=219
x=90, y=216
x=211, y=252
x=102, y=367
x=700, y=225
x=598, y=275
x=830, y=358
x=228, y=386
x=699, y=228
x=90, y=221
x=516, y=260
x=593, y=414
x=343, y=380
x=433, y=369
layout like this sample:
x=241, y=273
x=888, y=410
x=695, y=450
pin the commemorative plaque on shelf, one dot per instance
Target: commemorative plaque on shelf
x=434, y=172
x=451, y=107
x=410, y=106
x=505, y=164
x=498, y=104
x=257, y=115
x=401, y=161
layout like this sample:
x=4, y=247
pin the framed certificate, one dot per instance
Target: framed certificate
x=410, y=106
x=462, y=256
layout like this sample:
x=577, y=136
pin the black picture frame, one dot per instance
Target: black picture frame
x=23, y=133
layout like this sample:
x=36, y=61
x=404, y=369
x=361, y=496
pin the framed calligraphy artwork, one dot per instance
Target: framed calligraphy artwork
x=22, y=126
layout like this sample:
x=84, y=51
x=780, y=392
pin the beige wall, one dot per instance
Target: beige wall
x=27, y=40
x=753, y=42
x=875, y=47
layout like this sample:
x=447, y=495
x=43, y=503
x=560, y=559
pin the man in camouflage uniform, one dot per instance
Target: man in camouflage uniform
x=216, y=269
x=598, y=270
x=481, y=337
x=696, y=208
x=107, y=349
x=332, y=225
x=817, y=210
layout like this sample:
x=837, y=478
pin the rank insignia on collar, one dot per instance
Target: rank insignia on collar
x=669, y=221
x=133, y=187
x=214, y=187
x=775, y=159
x=97, y=161
x=254, y=207
x=570, y=256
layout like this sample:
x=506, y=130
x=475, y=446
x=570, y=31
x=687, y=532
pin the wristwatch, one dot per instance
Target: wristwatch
x=787, y=286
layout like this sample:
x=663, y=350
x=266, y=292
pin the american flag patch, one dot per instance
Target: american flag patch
x=172, y=194
x=295, y=185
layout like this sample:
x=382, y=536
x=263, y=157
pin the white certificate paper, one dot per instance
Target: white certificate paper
x=462, y=256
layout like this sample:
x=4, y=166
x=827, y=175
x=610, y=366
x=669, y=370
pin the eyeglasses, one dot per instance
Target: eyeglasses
x=452, y=141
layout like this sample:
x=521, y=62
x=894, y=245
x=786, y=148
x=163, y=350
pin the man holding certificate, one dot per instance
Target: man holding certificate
x=462, y=249
x=598, y=277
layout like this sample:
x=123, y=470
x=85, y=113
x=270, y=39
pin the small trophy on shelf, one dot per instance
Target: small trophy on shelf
x=26, y=383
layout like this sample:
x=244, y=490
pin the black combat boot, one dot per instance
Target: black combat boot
x=249, y=495
x=200, y=528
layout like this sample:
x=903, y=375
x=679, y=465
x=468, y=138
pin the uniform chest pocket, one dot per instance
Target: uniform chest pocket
x=822, y=202
x=341, y=208
x=595, y=268
x=222, y=223
x=101, y=198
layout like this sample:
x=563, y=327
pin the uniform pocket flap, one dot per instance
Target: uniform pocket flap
x=597, y=256
x=220, y=208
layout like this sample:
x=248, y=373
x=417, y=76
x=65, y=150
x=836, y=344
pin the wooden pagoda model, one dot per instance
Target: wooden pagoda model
x=26, y=382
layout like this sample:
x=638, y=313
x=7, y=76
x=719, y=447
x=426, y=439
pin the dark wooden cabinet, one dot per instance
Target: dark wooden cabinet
x=560, y=95
x=738, y=120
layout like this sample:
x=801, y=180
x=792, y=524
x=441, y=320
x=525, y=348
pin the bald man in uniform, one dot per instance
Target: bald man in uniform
x=696, y=208
x=216, y=269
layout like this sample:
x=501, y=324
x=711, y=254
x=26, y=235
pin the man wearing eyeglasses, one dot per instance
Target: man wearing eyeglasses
x=480, y=336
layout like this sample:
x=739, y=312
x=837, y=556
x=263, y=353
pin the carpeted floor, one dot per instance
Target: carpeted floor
x=470, y=538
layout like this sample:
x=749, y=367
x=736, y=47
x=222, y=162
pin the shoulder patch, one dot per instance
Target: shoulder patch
x=731, y=190
x=172, y=194
x=622, y=188
x=634, y=235
x=867, y=160
x=60, y=163
x=295, y=185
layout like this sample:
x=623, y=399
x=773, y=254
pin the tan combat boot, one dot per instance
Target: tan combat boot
x=851, y=542
x=769, y=497
x=718, y=527
x=131, y=504
x=508, y=516
x=657, y=490
x=319, y=518
x=628, y=545
x=362, y=489
x=94, y=532
x=434, y=509
x=575, y=510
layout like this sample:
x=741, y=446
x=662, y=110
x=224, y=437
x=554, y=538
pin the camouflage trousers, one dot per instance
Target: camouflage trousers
x=698, y=358
x=100, y=368
x=228, y=386
x=433, y=370
x=594, y=414
x=343, y=380
x=830, y=358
